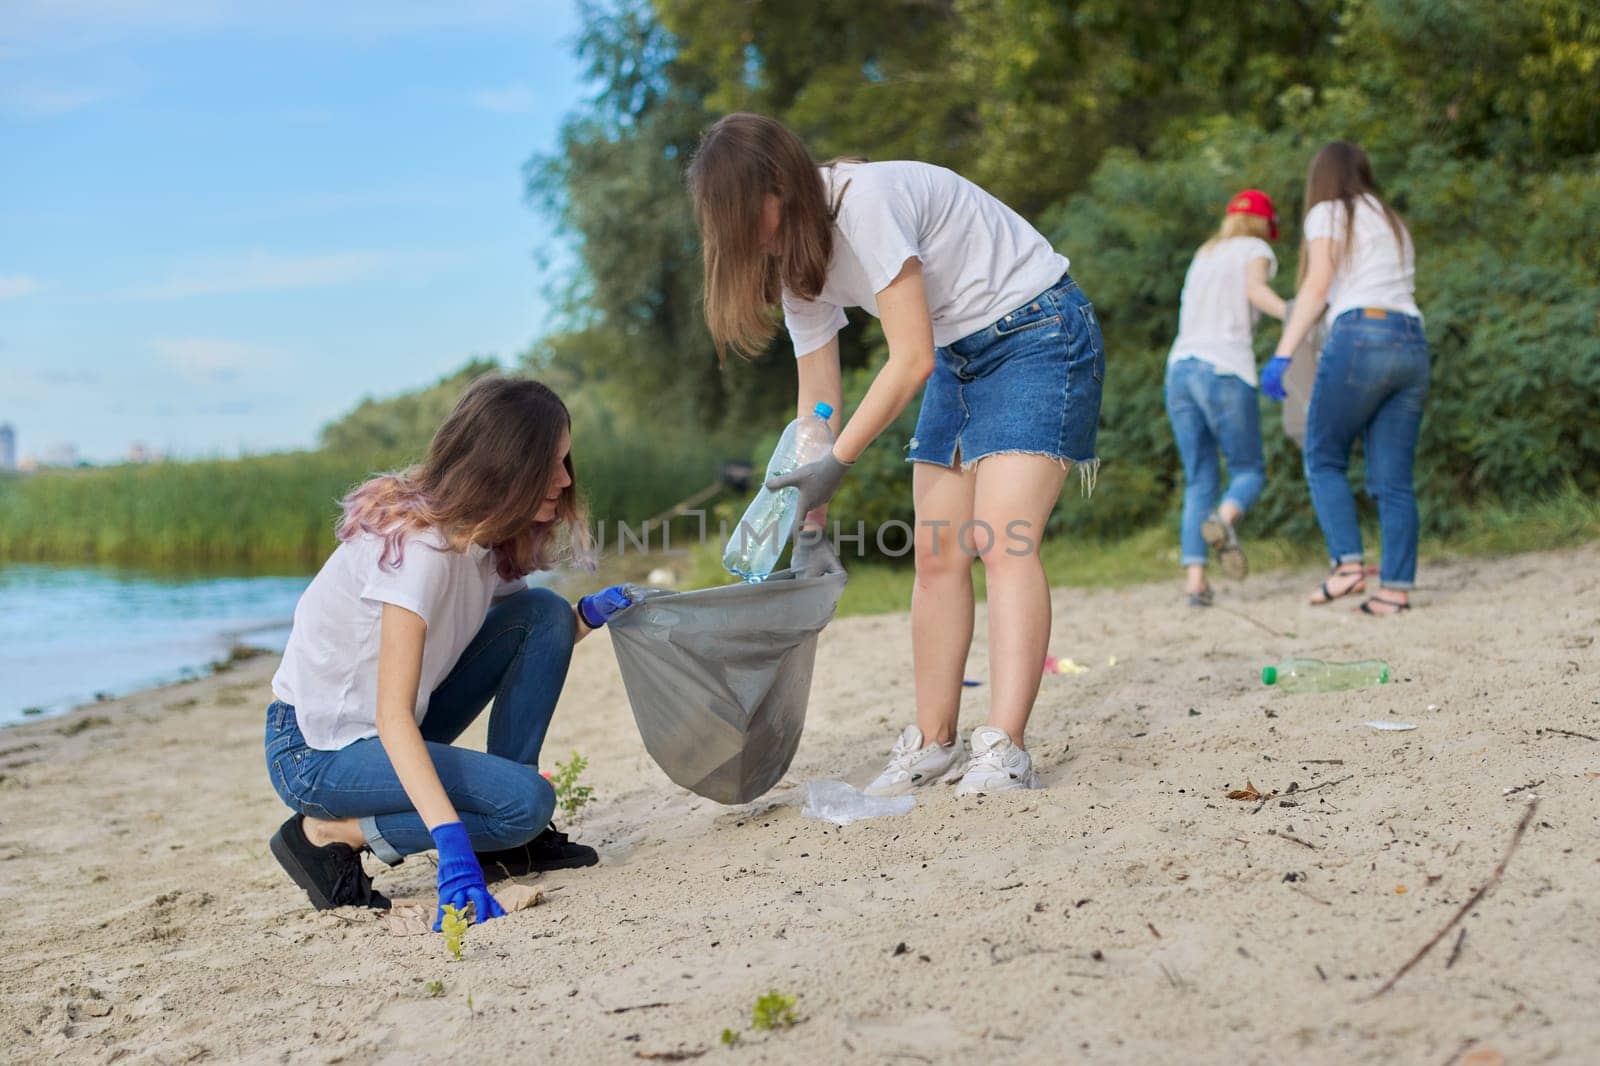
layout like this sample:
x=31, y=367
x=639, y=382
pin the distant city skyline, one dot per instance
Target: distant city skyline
x=227, y=224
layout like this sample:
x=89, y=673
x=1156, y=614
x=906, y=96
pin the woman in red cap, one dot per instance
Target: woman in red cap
x=1211, y=385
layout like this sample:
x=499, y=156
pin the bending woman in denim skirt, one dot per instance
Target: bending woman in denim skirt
x=418, y=619
x=975, y=305
x=1211, y=385
x=1372, y=377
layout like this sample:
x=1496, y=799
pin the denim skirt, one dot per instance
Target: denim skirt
x=1028, y=385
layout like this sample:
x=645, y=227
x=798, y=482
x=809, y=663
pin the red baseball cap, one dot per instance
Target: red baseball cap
x=1255, y=202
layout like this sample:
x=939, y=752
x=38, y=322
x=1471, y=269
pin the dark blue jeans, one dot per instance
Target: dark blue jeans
x=1209, y=411
x=1371, y=383
x=519, y=659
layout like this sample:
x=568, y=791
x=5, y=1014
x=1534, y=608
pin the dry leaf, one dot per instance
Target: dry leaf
x=519, y=897
x=408, y=919
x=1248, y=792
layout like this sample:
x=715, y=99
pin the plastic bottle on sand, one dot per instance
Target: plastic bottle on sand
x=1314, y=675
x=757, y=541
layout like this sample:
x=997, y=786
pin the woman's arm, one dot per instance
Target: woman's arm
x=1310, y=300
x=1259, y=292
x=400, y=640
x=819, y=382
x=903, y=310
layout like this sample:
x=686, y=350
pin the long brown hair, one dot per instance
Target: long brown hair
x=1341, y=171
x=742, y=158
x=485, y=478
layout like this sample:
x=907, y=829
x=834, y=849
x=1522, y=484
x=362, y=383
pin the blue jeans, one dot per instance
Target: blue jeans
x=1370, y=384
x=519, y=659
x=1211, y=411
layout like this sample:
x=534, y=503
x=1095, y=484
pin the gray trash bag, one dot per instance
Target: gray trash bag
x=1301, y=376
x=719, y=678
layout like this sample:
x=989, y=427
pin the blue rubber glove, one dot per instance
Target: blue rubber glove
x=1272, y=378
x=460, y=877
x=600, y=607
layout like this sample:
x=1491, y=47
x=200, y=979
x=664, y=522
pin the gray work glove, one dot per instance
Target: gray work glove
x=816, y=482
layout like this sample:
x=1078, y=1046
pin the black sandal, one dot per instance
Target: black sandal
x=1398, y=607
x=1328, y=595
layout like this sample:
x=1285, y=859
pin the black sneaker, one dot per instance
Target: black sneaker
x=550, y=850
x=331, y=875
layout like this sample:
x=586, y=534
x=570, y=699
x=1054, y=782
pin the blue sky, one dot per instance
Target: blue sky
x=222, y=224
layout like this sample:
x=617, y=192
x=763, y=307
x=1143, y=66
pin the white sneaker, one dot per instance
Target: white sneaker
x=912, y=765
x=997, y=765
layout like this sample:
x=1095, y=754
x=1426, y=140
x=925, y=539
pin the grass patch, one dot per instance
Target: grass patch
x=1565, y=519
x=280, y=509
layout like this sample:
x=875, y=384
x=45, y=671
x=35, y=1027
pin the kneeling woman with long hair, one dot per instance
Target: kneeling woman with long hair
x=418, y=619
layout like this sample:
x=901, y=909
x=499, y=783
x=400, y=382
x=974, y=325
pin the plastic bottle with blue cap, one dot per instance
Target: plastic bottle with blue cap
x=758, y=540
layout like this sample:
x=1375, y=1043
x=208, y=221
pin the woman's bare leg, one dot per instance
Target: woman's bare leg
x=941, y=599
x=1014, y=497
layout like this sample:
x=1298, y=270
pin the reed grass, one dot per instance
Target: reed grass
x=280, y=508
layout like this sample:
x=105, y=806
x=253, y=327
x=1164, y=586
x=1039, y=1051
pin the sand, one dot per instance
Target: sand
x=1127, y=912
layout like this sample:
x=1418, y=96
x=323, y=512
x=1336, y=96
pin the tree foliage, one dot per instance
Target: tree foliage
x=1120, y=127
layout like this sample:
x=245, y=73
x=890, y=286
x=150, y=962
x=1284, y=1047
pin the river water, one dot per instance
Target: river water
x=72, y=634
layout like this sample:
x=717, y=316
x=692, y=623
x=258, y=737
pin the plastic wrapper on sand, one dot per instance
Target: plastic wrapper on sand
x=719, y=678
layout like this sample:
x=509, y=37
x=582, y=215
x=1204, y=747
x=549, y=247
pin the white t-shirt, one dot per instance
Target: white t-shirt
x=1215, y=318
x=1378, y=271
x=329, y=671
x=980, y=259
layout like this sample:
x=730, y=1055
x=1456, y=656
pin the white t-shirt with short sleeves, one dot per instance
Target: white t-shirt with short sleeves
x=329, y=671
x=980, y=259
x=1215, y=317
x=1378, y=271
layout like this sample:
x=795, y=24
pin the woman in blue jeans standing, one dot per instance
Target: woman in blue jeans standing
x=1211, y=385
x=1373, y=375
x=418, y=619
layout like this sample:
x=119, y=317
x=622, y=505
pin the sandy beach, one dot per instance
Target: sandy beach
x=1128, y=912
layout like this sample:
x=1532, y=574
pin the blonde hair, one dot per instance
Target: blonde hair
x=483, y=481
x=741, y=159
x=1239, y=224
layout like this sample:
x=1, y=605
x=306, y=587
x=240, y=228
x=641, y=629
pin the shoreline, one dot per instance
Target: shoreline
x=1127, y=912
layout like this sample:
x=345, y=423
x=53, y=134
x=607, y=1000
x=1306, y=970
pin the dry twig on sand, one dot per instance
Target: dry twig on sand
x=1472, y=901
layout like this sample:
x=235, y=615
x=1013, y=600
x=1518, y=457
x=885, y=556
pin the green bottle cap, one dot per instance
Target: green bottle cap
x=1269, y=675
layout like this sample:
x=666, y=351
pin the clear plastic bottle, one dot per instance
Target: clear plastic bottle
x=1314, y=675
x=758, y=540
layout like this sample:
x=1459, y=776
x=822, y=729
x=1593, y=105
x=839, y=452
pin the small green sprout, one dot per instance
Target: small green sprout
x=773, y=1011
x=434, y=988
x=729, y=1037
x=570, y=795
x=453, y=925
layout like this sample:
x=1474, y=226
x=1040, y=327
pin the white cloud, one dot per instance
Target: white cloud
x=17, y=285
x=266, y=272
x=211, y=358
x=513, y=99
